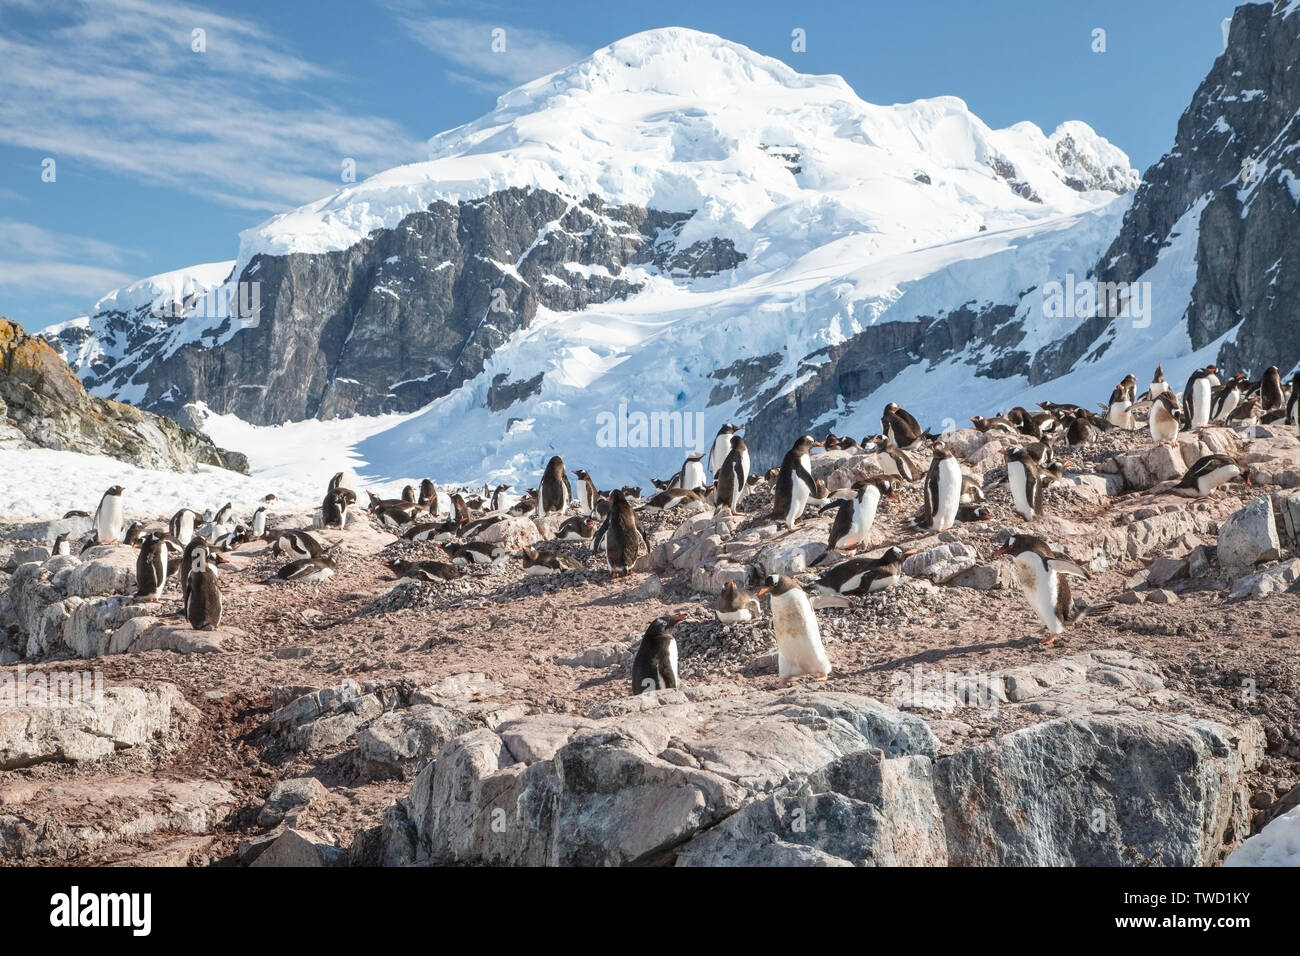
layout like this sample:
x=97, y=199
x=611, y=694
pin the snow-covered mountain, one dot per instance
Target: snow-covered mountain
x=680, y=226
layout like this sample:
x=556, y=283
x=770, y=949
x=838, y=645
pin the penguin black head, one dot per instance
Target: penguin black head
x=661, y=628
x=1018, y=544
x=895, y=555
x=581, y=473
x=806, y=444
x=778, y=584
x=115, y=490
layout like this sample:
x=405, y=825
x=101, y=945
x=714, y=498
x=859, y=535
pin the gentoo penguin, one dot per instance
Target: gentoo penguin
x=203, y=601
x=299, y=544
x=474, y=552
x=1042, y=576
x=1293, y=401
x=334, y=509
x=587, y=493
x=428, y=496
x=622, y=539
x=891, y=460
x=995, y=424
x=942, y=489
x=259, y=522
x=110, y=518
x=854, y=517
x=1247, y=411
x=799, y=648
x=735, y=605
x=577, y=528
x=692, y=474
x=61, y=545
x=863, y=575
x=183, y=524
x=794, y=482
x=722, y=445
x=1158, y=384
x=1270, y=390
x=426, y=570
x=1025, y=477
x=1118, y=411
x=974, y=513
x=502, y=499
x=133, y=534
x=1080, y=429
x=198, y=542
x=972, y=490
x=218, y=524
x=151, y=565
x=547, y=562
x=304, y=569
x=1210, y=472
x=900, y=427
x=74, y=513
x=689, y=500
x=1226, y=398
x=553, y=494
x=1164, y=418
x=1198, y=397
x=408, y=494
x=655, y=664
x=731, y=476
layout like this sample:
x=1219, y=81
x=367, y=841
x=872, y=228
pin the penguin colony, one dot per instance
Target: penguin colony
x=191, y=547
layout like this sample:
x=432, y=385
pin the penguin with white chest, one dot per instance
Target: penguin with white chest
x=1042, y=574
x=1210, y=472
x=110, y=516
x=863, y=576
x=203, y=601
x=655, y=664
x=1165, y=418
x=731, y=478
x=182, y=525
x=259, y=522
x=799, y=648
x=1025, y=478
x=735, y=605
x=856, y=515
x=722, y=445
x=943, y=484
x=1198, y=396
x=795, y=484
x=691, y=477
x=587, y=494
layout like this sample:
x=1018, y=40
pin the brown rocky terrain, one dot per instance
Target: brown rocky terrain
x=310, y=721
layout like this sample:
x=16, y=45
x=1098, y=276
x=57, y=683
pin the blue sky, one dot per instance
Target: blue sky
x=163, y=154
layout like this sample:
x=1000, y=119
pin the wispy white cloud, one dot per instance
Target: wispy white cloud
x=55, y=280
x=520, y=54
x=115, y=84
x=35, y=242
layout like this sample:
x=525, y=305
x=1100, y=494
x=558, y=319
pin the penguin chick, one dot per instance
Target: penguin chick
x=735, y=605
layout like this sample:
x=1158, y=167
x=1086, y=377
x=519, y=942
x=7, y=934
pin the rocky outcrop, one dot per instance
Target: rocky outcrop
x=402, y=317
x=45, y=406
x=712, y=775
x=1235, y=151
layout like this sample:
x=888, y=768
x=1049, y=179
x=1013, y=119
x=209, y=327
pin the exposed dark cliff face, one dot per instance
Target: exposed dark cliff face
x=1238, y=147
x=43, y=405
x=411, y=312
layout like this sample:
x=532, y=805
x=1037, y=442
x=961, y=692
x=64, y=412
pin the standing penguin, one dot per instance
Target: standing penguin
x=553, y=494
x=691, y=476
x=110, y=516
x=794, y=482
x=1227, y=397
x=1025, y=477
x=621, y=537
x=183, y=524
x=730, y=479
x=203, y=604
x=1293, y=401
x=1042, y=576
x=655, y=664
x=891, y=460
x=587, y=493
x=151, y=565
x=61, y=545
x=187, y=564
x=334, y=509
x=722, y=446
x=942, y=489
x=1198, y=396
x=1270, y=390
x=799, y=648
x=1164, y=419
x=853, y=520
x=897, y=424
x=1121, y=401
x=259, y=522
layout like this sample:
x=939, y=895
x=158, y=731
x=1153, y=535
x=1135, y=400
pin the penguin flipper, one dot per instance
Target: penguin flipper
x=1066, y=566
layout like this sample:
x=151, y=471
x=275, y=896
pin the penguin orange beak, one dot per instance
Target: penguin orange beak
x=819, y=444
x=762, y=591
x=678, y=618
x=1000, y=551
x=908, y=554
x=894, y=495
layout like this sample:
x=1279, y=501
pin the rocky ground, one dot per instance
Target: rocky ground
x=305, y=729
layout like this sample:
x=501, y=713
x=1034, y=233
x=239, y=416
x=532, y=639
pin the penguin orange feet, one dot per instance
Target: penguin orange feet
x=1049, y=639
